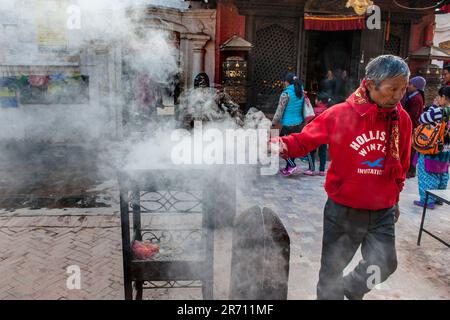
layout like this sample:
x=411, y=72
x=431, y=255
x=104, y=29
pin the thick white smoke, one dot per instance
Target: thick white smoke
x=65, y=38
x=105, y=40
x=98, y=38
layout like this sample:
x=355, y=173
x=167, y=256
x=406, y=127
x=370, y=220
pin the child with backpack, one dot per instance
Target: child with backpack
x=323, y=102
x=432, y=166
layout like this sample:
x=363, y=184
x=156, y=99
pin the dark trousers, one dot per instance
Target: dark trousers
x=322, y=158
x=344, y=230
x=287, y=130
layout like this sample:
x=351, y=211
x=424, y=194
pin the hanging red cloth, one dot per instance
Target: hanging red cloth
x=387, y=36
x=445, y=8
x=334, y=23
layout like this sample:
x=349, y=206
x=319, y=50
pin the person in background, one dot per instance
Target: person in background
x=322, y=103
x=342, y=89
x=446, y=76
x=205, y=104
x=147, y=98
x=289, y=114
x=414, y=102
x=329, y=83
x=432, y=170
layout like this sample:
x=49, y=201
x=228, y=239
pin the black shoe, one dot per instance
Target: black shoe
x=351, y=296
x=348, y=293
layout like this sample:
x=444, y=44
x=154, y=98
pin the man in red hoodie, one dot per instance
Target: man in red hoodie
x=369, y=138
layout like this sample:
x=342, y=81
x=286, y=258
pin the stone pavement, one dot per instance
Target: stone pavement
x=36, y=250
x=422, y=271
x=36, y=247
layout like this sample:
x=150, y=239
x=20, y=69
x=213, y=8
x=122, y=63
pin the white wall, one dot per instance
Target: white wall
x=442, y=32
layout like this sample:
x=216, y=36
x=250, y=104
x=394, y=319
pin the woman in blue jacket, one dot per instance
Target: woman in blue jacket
x=290, y=114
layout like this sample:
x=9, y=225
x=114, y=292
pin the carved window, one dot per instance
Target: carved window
x=394, y=43
x=274, y=57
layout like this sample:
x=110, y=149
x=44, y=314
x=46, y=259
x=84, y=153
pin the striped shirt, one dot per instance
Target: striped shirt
x=438, y=114
x=434, y=114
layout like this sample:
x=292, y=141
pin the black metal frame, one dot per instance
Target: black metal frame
x=164, y=271
x=422, y=229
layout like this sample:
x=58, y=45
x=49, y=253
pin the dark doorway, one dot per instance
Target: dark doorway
x=335, y=51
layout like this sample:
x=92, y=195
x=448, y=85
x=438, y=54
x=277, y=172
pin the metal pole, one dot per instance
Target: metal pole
x=423, y=218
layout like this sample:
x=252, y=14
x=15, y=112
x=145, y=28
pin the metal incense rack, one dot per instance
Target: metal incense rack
x=178, y=210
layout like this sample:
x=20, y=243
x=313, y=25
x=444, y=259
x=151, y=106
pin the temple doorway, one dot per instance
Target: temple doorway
x=336, y=52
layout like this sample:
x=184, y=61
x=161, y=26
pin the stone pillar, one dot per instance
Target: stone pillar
x=194, y=51
x=198, y=59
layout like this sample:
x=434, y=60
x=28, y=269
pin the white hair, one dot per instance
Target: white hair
x=386, y=67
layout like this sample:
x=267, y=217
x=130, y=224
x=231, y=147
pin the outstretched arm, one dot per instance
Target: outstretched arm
x=312, y=136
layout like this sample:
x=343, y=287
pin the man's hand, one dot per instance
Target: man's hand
x=397, y=213
x=277, y=145
x=276, y=126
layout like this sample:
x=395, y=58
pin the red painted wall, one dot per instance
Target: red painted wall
x=418, y=36
x=228, y=23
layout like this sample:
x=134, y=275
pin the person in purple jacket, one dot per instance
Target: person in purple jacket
x=414, y=102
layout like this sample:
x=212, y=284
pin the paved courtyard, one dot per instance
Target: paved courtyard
x=37, y=246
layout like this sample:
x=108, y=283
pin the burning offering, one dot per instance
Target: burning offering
x=144, y=250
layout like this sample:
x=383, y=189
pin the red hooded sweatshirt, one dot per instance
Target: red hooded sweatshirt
x=359, y=135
